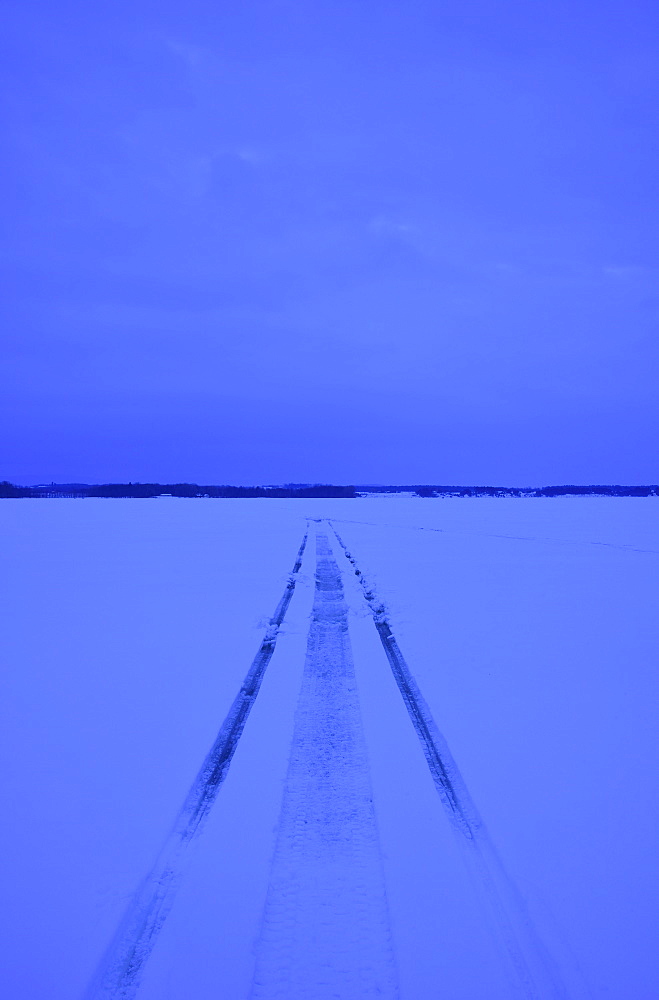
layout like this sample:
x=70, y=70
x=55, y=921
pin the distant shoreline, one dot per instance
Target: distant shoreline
x=304, y=491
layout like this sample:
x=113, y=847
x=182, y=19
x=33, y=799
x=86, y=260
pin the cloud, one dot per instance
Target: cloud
x=192, y=55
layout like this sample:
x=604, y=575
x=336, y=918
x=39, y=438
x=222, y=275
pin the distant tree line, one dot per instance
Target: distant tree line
x=545, y=491
x=8, y=490
x=607, y=491
x=173, y=489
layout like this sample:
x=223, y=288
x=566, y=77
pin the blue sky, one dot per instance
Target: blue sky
x=350, y=242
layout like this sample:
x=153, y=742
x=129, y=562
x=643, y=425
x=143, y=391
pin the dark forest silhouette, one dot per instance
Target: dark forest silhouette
x=146, y=490
x=172, y=489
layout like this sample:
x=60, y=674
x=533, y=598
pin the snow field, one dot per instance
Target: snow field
x=128, y=633
x=530, y=626
x=536, y=656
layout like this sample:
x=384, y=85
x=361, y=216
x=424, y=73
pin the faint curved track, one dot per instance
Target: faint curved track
x=575, y=542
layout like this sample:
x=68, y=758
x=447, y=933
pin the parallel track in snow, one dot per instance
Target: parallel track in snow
x=118, y=976
x=452, y=790
x=535, y=976
x=326, y=924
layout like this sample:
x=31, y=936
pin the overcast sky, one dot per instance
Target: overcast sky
x=321, y=240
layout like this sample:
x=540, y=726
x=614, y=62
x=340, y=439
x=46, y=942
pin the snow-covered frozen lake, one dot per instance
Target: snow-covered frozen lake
x=530, y=626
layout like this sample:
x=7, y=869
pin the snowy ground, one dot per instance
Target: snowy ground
x=530, y=627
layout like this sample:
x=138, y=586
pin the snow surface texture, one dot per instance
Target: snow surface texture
x=326, y=927
x=530, y=627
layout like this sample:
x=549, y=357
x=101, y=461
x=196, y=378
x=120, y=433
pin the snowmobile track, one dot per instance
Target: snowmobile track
x=534, y=975
x=443, y=768
x=119, y=973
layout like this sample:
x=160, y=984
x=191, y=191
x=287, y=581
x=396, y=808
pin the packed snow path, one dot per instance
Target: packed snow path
x=325, y=930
